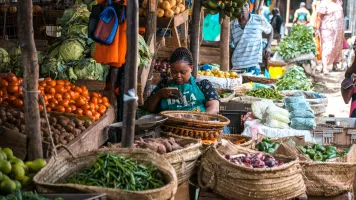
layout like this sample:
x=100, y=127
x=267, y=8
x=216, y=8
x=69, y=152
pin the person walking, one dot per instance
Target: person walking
x=302, y=15
x=330, y=28
x=246, y=38
x=276, y=23
x=315, y=7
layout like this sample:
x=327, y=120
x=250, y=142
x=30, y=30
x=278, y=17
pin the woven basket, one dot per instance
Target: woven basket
x=195, y=119
x=223, y=91
x=238, y=182
x=256, y=79
x=50, y=178
x=250, y=144
x=184, y=161
x=197, y=133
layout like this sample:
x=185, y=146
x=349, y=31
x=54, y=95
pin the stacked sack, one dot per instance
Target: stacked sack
x=301, y=115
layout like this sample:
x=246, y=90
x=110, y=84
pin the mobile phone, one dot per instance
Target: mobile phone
x=174, y=91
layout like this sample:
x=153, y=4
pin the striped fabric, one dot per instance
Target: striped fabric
x=248, y=41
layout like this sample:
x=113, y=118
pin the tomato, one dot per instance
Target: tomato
x=18, y=103
x=60, y=82
x=94, y=100
x=59, y=89
x=96, y=116
x=20, y=81
x=102, y=109
x=53, y=100
x=78, y=111
x=100, y=100
x=1, y=100
x=94, y=94
x=75, y=96
x=91, y=106
x=1, y=93
x=60, y=109
x=52, y=83
x=48, y=109
x=4, y=83
x=49, y=96
x=47, y=79
x=66, y=96
x=41, y=88
x=85, y=93
x=51, y=105
x=88, y=113
x=100, y=95
x=12, y=78
x=12, y=98
x=68, y=109
x=80, y=102
x=58, y=97
x=78, y=89
x=40, y=107
x=83, y=87
x=66, y=82
x=105, y=99
x=67, y=88
x=5, y=96
x=85, y=107
x=73, y=107
x=50, y=90
x=64, y=103
x=107, y=104
x=12, y=89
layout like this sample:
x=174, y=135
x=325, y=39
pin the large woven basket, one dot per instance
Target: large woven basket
x=197, y=133
x=250, y=144
x=195, y=119
x=238, y=182
x=50, y=178
x=184, y=161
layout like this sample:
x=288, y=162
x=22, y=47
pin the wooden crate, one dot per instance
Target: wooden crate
x=176, y=21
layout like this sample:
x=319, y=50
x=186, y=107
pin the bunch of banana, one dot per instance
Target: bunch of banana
x=230, y=8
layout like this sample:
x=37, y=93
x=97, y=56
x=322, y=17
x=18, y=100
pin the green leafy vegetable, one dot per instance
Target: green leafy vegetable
x=294, y=79
x=71, y=50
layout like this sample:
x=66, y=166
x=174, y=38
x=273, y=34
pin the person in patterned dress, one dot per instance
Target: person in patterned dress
x=182, y=91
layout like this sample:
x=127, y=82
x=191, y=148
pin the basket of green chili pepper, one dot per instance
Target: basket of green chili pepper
x=268, y=145
x=119, y=173
x=317, y=152
x=265, y=93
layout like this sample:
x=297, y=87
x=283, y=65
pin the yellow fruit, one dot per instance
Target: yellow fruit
x=37, y=165
x=160, y=12
x=172, y=3
x=3, y=156
x=168, y=13
x=207, y=73
x=4, y=177
x=5, y=167
x=16, y=161
x=7, y=186
x=233, y=74
x=166, y=6
x=11, y=158
x=27, y=170
x=208, y=70
x=8, y=152
x=222, y=76
x=227, y=74
x=17, y=172
x=179, y=2
x=176, y=11
x=181, y=7
x=26, y=181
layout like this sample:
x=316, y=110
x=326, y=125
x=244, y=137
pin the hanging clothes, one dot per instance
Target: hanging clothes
x=115, y=53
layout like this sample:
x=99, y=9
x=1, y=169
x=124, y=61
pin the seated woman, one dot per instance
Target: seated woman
x=182, y=91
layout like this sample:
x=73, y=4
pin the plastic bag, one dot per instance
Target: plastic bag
x=303, y=123
x=259, y=108
x=298, y=106
x=276, y=124
x=276, y=113
x=297, y=99
x=302, y=114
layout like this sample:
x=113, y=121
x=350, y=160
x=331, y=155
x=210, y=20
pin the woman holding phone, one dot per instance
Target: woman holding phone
x=182, y=91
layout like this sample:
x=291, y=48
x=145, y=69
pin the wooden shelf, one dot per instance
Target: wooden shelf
x=162, y=22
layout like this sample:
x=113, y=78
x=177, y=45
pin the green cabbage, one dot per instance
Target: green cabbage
x=92, y=49
x=4, y=57
x=71, y=50
x=79, y=30
x=91, y=4
x=75, y=14
x=14, y=52
x=89, y=69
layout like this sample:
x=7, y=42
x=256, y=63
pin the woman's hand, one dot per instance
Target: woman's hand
x=167, y=93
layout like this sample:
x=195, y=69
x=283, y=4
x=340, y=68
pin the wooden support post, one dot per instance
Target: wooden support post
x=130, y=93
x=287, y=14
x=224, y=45
x=150, y=37
x=195, y=35
x=30, y=83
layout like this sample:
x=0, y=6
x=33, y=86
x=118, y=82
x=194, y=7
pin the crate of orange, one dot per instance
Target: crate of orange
x=63, y=98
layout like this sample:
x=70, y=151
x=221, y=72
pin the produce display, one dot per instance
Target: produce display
x=300, y=41
x=270, y=114
x=318, y=152
x=161, y=66
x=218, y=73
x=60, y=96
x=231, y=8
x=64, y=129
x=69, y=58
x=265, y=93
x=294, y=79
x=116, y=171
x=159, y=145
x=144, y=53
x=254, y=160
x=267, y=145
x=14, y=173
x=17, y=195
x=166, y=8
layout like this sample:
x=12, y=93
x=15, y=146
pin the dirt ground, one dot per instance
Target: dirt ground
x=330, y=86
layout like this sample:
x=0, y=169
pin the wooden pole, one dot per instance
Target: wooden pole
x=30, y=82
x=150, y=37
x=224, y=44
x=130, y=95
x=287, y=14
x=195, y=35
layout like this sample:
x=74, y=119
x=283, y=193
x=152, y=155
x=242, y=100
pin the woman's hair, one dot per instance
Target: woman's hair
x=181, y=54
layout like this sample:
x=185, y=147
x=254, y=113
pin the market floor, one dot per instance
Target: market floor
x=330, y=86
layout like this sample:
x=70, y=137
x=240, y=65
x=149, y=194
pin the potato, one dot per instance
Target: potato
x=53, y=121
x=87, y=123
x=78, y=122
x=82, y=128
x=171, y=140
x=76, y=132
x=63, y=120
x=63, y=141
x=56, y=132
x=15, y=129
x=69, y=137
x=167, y=145
x=161, y=149
x=45, y=132
x=62, y=130
x=69, y=128
x=71, y=124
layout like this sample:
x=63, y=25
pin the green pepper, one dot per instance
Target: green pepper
x=318, y=157
x=325, y=157
x=330, y=152
x=332, y=156
x=319, y=147
x=330, y=148
x=302, y=149
x=271, y=150
x=261, y=146
x=311, y=152
x=267, y=139
x=308, y=147
x=276, y=145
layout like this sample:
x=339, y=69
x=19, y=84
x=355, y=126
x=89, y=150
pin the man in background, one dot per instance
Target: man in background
x=276, y=23
x=246, y=38
x=302, y=15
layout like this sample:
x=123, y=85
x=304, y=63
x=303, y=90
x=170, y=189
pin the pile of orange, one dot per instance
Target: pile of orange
x=59, y=95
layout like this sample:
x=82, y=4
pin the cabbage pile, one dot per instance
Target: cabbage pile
x=70, y=56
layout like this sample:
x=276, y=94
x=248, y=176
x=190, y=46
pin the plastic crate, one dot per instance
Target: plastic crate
x=236, y=125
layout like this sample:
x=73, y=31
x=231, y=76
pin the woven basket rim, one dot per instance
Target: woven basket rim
x=172, y=176
x=223, y=120
x=260, y=170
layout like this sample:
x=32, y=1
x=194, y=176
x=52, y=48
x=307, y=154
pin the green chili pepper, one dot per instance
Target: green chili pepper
x=271, y=150
x=310, y=152
x=318, y=157
x=319, y=147
x=302, y=149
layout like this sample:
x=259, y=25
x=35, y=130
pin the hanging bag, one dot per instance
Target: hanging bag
x=318, y=46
